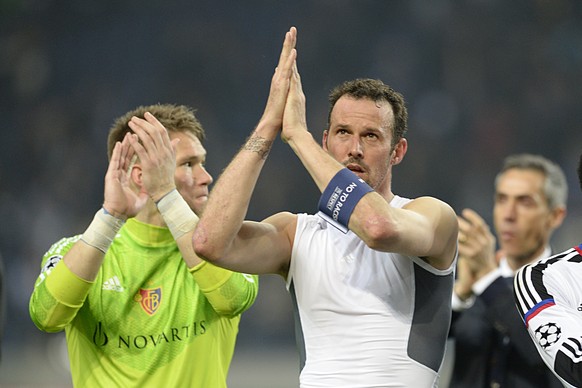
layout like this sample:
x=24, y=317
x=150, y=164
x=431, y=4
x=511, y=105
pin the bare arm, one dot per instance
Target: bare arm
x=222, y=236
x=426, y=227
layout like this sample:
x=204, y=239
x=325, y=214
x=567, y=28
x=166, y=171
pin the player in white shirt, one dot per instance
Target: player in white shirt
x=372, y=273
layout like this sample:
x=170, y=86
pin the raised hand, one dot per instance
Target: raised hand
x=273, y=114
x=294, y=120
x=476, y=243
x=121, y=199
x=156, y=153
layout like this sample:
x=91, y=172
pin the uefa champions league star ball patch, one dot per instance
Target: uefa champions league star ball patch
x=548, y=334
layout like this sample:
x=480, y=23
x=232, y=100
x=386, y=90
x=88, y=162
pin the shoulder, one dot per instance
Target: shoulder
x=428, y=202
x=63, y=245
x=282, y=219
x=436, y=210
x=57, y=251
x=284, y=223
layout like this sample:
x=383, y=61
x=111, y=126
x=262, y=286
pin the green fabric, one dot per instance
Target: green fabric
x=145, y=321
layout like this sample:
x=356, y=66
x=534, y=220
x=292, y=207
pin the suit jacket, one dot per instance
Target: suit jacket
x=493, y=347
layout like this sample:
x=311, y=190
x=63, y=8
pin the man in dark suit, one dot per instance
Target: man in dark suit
x=492, y=347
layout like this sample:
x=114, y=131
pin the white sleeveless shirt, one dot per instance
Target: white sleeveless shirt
x=365, y=318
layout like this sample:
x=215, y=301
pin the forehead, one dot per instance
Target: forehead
x=348, y=110
x=189, y=145
x=517, y=181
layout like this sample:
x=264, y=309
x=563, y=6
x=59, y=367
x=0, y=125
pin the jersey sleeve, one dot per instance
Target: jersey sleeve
x=58, y=293
x=552, y=319
x=230, y=293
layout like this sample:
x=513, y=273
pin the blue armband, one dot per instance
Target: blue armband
x=341, y=196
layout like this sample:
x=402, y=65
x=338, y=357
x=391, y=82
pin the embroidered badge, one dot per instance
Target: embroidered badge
x=150, y=299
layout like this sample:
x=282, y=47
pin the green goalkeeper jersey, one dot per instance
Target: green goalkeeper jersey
x=147, y=320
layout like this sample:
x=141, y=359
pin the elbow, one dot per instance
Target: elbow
x=378, y=233
x=204, y=247
x=48, y=328
x=46, y=325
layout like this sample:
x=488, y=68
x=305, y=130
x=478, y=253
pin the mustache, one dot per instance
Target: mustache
x=352, y=160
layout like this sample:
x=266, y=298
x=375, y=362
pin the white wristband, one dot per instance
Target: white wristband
x=177, y=214
x=102, y=230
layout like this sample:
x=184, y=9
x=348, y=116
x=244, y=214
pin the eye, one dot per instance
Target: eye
x=500, y=198
x=527, y=201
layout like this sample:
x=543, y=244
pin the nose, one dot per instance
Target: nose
x=356, y=150
x=203, y=177
x=509, y=211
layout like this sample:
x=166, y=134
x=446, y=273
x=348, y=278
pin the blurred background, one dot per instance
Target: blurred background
x=483, y=79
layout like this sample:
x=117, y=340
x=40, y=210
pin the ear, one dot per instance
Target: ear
x=136, y=175
x=399, y=151
x=558, y=215
x=324, y=139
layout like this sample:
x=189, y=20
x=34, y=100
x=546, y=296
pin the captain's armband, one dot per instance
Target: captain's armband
x=341, y=196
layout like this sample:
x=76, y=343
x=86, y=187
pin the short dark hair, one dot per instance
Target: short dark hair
x=375, y=90
x=175, y=118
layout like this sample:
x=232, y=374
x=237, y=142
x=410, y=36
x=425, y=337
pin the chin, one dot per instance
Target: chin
x=198, y=207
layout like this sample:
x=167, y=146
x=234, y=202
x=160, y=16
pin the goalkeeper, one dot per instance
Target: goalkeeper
x=138, y=307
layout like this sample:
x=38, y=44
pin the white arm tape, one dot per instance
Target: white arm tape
x=177, y=214
x=102, y=230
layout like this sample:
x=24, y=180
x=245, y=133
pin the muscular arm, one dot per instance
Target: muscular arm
x=222, y=236
x=425, y=227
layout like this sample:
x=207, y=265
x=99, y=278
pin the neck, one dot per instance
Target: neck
x=516, y=262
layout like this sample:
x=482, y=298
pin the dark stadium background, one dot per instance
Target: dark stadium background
x=483, y=79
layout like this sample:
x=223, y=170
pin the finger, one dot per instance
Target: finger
x=464, y=226
x=159, y=132
x=114, y=161
x=127, y=153
x=287, y=70
x=144, y=130
x=288, y=45
x=138, y=147
x=474, y=218
x=296, y=75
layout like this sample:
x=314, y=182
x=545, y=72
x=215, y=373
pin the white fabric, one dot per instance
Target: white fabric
x=355, y=307
x=549, y=294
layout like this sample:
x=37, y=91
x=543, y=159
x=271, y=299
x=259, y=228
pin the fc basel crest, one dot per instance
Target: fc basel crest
x=150, y=299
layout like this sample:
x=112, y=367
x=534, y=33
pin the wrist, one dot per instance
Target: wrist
x=157, y=197
x=268, y=129
x=463, y=292
x=106, y=209
x=298, y=136
x=102, y=230
x=178, y=216
x=258, y=144
x=481, y=273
